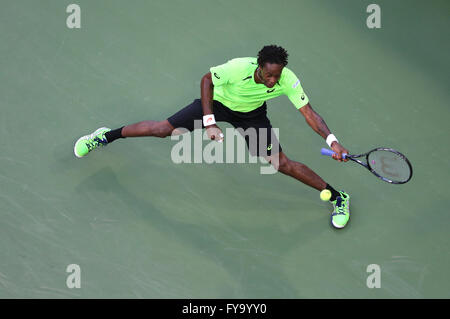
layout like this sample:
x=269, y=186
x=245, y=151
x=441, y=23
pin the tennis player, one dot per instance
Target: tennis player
x=236, y=92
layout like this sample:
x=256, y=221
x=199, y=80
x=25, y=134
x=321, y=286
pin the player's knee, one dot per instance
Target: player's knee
x=280, y=162
x=163, y=129
x=284, y=164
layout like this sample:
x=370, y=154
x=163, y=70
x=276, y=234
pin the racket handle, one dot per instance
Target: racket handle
x=327, y=152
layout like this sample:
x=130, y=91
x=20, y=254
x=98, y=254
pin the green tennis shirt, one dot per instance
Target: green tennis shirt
x=235, y=86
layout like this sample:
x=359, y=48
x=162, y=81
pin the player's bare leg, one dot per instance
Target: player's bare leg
x=296, y=170
x=103, y=136
x=148, y=128
x=339, y=200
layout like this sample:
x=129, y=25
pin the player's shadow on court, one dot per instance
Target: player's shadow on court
x=256, y=280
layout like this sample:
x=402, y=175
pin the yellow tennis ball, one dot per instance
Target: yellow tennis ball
x=325, y=195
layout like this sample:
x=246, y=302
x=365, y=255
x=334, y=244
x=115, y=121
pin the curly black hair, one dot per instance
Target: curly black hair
x=272, y=54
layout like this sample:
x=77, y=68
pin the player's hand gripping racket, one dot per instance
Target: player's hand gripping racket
x=385, y=163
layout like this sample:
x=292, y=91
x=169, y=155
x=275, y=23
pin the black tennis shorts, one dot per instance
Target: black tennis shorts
x=256, y=119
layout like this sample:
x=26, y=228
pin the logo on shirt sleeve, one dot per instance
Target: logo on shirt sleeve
x=296, y=84
x=215, y=74
x=302, y=96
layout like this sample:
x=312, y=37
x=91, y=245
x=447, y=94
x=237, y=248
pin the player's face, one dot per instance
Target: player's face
x=271, y=73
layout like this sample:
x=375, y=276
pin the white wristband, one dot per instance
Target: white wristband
x=330, y=139
x=209, y=120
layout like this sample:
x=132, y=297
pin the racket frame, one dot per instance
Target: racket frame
x=367, y=164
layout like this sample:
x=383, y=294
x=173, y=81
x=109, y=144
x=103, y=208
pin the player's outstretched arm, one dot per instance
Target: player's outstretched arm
x=318, y=124
x=207, y=94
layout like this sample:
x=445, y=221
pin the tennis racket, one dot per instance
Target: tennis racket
x=387, y=164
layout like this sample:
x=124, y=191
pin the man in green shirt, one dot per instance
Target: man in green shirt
x=236, y=92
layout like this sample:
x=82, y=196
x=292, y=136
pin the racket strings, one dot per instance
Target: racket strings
x=389, y=165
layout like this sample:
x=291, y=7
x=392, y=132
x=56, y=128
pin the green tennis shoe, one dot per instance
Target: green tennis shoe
x=341, y=212
x=90, y=142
